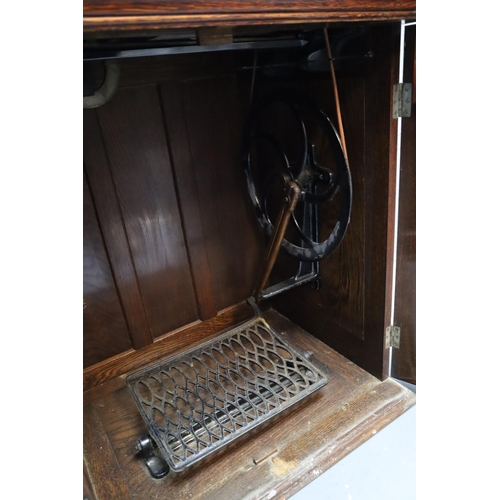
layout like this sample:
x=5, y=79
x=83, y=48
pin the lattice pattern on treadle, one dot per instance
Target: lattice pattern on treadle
x=200, y=400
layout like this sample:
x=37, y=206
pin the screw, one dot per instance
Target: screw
x=142, y=443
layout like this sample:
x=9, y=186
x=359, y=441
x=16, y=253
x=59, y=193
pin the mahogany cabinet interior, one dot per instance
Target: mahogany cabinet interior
x=172, y=247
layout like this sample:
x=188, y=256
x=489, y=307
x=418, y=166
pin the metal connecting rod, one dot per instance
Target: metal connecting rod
x=289, y=205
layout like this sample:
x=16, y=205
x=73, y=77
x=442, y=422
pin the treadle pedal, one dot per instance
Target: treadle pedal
x=200, y=400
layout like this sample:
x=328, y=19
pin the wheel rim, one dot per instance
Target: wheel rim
x=320, y=185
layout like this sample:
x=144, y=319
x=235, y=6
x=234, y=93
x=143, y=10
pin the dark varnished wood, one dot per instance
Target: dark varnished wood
x=219, y=236
x=404, y=358
x=115, y=238
x=182, y=240
x=135, y=141
x=136, y=15
x=106, y=387
x=349, y=311
x=192, y=129
x=103, y=471
x=391, y=195
x=309, y=438
x=104, y=327
x=191, y=209
x=207, y=165
x=214, y=6
x=175, y=67
x=167, y=345
x=87, y=489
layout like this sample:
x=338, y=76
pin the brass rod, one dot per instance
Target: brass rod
x=277, y=236
x=335, y=92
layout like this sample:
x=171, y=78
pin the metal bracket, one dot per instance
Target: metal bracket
x=392, y=336
x=307, y=271
x=157, y=466
x=401, y=100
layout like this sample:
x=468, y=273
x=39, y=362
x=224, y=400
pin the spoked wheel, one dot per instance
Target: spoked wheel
x=289, y=138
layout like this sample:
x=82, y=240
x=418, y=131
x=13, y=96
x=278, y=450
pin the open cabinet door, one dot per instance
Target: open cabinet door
x=354, y=303
x=404, y=357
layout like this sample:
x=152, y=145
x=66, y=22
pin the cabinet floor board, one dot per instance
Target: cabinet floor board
x=302, y=442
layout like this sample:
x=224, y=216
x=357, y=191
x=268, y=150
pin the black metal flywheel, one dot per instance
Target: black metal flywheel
x=287, y=138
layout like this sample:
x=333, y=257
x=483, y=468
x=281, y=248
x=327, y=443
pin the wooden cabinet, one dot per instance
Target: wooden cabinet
x=172, y=247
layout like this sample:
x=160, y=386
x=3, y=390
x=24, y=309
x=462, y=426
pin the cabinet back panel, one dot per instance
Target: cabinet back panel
x=104, y=324
x=103, y=190
x=165, y=155
x=232, y=240
x=139, y=158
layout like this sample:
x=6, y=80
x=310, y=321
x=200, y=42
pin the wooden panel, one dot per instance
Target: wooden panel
x=404, y=358
x=208, y=167
x=103, y=470
x=87, y=490
x=152, y=70
x=139, y=159
x=149, y=14
x=191, y=209
x=342, y=274
x=168, y=345
x=349, y=311
x=104, y=329
x=309, y=438
x=110, y=216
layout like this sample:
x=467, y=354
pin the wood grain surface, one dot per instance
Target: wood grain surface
x=233, y=244
x=111, y=223
x=191, y=209
x=404, y=358
x=104, y=326
x=164, y=166
x=169, y=344
x=349, y=310
x=104, y=478
x=87, y=489
x=139, y=159
x=101, y=15
x=173, y=192
x=308, y=438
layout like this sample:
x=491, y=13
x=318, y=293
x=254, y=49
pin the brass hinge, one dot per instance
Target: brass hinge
x=401, y=100
x=392, y=336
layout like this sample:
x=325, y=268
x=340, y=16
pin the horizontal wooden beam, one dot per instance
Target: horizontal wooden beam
x=130, y=15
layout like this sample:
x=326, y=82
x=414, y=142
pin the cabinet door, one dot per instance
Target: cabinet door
x=352, y=307
x=404, y=358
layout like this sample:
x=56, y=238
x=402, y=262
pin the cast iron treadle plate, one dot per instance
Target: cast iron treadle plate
x=200, y=400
